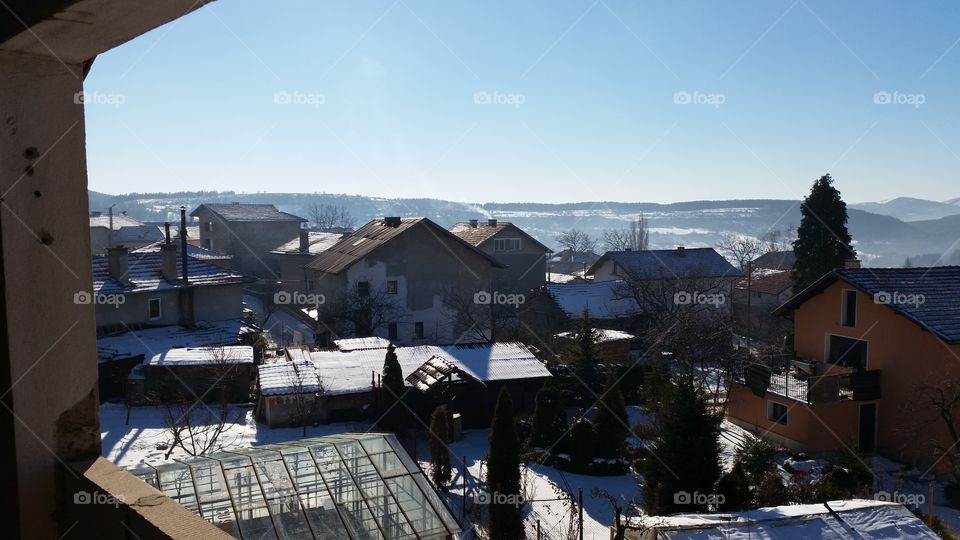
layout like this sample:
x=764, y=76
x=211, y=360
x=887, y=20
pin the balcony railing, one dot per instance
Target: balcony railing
x=810, y=382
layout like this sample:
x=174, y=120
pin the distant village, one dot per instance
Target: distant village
x=301, y=319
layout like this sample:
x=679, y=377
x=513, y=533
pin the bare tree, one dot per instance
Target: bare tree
x=934, y=410
x=326, y=217
x=305, y=388
x=635, y=237
x=577, y=241
x=472, y=317
x=742, y=250
x=361, y=311
x=623, y=509
x=779, y=239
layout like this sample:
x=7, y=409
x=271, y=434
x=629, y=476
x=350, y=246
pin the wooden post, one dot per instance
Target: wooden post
x=538, y=530
x=580, y=510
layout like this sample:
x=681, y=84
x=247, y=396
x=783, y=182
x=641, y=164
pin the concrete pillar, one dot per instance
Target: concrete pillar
x=48, y=368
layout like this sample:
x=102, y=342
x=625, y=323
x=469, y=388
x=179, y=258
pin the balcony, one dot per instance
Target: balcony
x=810, y=382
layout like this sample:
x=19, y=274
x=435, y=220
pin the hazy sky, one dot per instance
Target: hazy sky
x=535, y=101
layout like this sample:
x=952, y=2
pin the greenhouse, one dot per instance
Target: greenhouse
x=355, y=486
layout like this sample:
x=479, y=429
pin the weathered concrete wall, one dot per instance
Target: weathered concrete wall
x=526, y=269
x=215, y=303
x=250, y=242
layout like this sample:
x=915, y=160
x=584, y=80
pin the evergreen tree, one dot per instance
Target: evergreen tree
x=582, y=440
x=611, y=423
x=503, y=473
x=392, y=412
x=755, y=457
x=733, y=489
x=685, y=455
x=439, y=453
x=549, y=419
x=585, y=357
x=823, y=242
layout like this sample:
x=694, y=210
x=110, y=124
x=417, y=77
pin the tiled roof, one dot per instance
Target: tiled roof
x=248, y=212
x=196, y=252
x=318, y=242
x=484, y=231
x=776, y=260
x=353, y=247
x=604, y=299
x=143, y=274
x=689, y=263
x=200, y=356
x=927, y=296
x=119, y=220
x=768, y=281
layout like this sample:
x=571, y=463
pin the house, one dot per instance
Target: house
x=856, y=518
x=766, y=290
x=404, y=279
x=569, y=262
x=293, y=256
x=248, y=232
x=612, y=345
x=200, y=373
x=524, y=258
x=871, y=346
x=775, y=260
x=338, y=486
x=342, y=384
x=120, y=229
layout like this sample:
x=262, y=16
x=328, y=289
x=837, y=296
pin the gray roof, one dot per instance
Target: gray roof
x=119, y=220
x=776, y=260
x=484, y=231
x=357, y=245
x=248, y=212
x=604, y=299
x=143, y=274
x=196, y=252
x=937, y=290
x=688, y=263
x=317, y=242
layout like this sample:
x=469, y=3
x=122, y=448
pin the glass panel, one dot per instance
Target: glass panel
x=388, y=464
x=255, y=523
x=409, y=463
x=222, y=516
x=274, y=478
x=421, y=516
x=176, y=483
x=208, y=479
x=375, y=444
x=323, y=516
x=244, y=488
x=436, y=502
x=229, y=460
x=356, y=515
x=289, y=518
x=147, y=474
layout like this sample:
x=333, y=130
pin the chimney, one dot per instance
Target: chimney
x=183, y=245
x=96, y=213
x=851, y=263
x=681, y=251
x=304, y=241
x=492, y=222
x=474, y=223
x=168, y=262
x=392, y=221
x=117, y=259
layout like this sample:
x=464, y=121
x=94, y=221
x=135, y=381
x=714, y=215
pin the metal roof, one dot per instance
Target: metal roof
x=346, y=486
x=686, y=263
x=317, y=243
x=201, y=356
x=248, y=212
x=604, y=299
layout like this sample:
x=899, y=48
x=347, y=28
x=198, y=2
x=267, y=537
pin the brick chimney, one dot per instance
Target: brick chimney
x=492, y=222
x=474, y=223
x=681, y=251
x=851, y=263
x=391, y=221
x=168, y=257
x=304, y=241
x=117, y=259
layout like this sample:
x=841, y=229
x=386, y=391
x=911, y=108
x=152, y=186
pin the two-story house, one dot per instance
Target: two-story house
x=875, y=347
x=524, y=258
x=410, y=281
x=248, y=232
x=293, y=257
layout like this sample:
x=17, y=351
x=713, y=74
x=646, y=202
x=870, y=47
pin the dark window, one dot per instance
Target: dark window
x=848, y=352
x=777, y=412
x=209, y=243
x=363, y=288
x=209, y=226
x=153, y=305
x=391, y=287
x=392, y=331
x=849, y=308
x=418, y=330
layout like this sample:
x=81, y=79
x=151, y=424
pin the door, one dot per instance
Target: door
x=868, y=427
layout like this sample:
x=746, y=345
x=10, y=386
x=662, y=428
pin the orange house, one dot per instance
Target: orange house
x=873, y=346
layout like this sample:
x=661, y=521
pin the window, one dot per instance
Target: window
x=506, y=244
x=777, y=412
x=154, y=307
x=209, y=226
x=392, y=287
x=363, y=288
x=392, y=331
x=849, y=308
x=418, y=329
x=847, y=352
x=208, y=243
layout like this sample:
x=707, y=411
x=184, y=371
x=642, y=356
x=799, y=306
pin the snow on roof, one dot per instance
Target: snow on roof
x=605, y=299
x=119, y=221
x=360, y=344
x=856, y=518
x=431, y=372
x=193, y=251
x=284, y=377
x=144, y=274
x=670, y=263
x=151, y=341
x=317, y=243
x=247, y=212
x=602, y=335
x=555, y=277
x=199, y=356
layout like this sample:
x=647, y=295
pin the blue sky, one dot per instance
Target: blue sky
x=535, y=101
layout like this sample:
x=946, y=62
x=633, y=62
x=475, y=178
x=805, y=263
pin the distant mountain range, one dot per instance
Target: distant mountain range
x=885, y=233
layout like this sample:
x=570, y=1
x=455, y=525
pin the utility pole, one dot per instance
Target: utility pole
x=580, y=510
